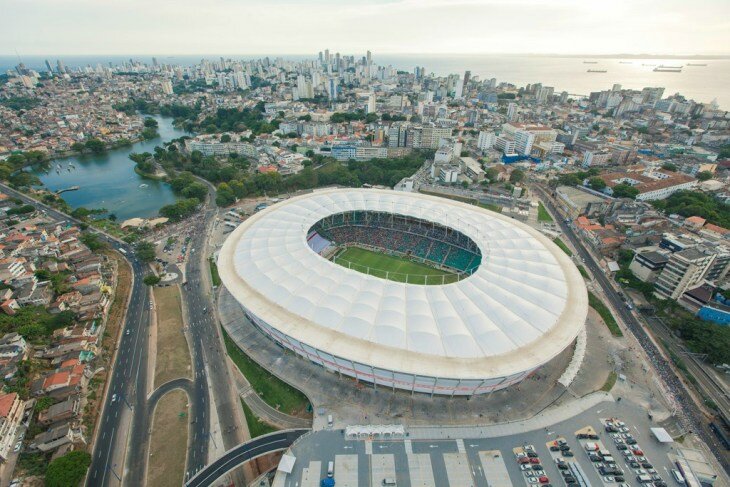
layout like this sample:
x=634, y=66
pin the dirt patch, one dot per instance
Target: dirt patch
x=169, y=441
x=173, y=357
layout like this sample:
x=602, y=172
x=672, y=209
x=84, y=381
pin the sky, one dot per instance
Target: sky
x=80, y=27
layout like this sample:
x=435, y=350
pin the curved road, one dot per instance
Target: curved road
x=241, y=454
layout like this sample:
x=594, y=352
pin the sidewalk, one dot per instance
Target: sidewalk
x=543, y=420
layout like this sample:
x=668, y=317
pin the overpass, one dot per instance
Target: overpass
x=237, y=456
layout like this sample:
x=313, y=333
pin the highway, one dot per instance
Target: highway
x=129, y=374
x=687, y=412
x=212, y=378
x=240, y=454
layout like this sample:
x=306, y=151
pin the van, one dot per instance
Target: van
x=389, y=481
x=643, y=478
x=678, y=476
x=331, y=469
x=330, y=421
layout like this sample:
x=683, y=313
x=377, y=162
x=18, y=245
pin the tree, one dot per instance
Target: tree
x=624, y=190
x=668, y=166
x=596, y=183
x=68, y=470
x=516, y=176
x=492, y=174
x=95, y=145
x=149, y=133
x=78, y=147
x=704, y=175
x=225, y=138
x=151, y=280
x=92, y=241
x=150, y=122
x=196, y=190
x=145, y=251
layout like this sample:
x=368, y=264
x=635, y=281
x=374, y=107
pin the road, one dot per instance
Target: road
x=240, y=454
x=212, y=377
x=687, y=412
x=129, y=374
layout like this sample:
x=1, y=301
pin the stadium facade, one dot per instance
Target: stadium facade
x=518, y=303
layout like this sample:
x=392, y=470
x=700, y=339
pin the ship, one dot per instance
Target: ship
x=668, y=69
x=590, y=62
x=696, y=64
x=625, y=62
x=597, y=71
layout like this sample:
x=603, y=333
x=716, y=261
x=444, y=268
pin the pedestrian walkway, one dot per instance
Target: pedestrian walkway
x=542, y=420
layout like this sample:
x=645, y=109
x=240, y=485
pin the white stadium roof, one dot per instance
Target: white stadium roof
x=524, y=304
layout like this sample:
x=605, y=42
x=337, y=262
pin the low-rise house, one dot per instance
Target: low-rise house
x=13, y=345
x=55, y=437
x=11, y=413
x=62, y=411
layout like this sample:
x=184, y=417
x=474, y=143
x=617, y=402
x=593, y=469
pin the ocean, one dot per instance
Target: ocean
x=701, y=83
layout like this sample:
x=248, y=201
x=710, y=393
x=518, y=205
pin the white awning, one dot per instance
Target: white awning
x=661, y=435
x=286, y=464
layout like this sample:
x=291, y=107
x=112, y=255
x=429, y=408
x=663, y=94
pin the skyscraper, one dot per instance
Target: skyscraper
x=332, y=87
x=48, y=66
x=511, y=111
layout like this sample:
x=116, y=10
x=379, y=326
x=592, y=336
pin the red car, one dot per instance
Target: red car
x=534, y=460
x=523, y=460
x=543, y=480
x=638, y=453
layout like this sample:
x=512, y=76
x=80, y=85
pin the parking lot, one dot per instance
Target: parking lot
x=488, y=462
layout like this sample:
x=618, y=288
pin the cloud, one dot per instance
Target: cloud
x=349, y=26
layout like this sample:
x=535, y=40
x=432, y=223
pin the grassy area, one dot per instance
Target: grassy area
x=542, y=213
x=214, y=272
x=169, y=440
x=392, y=267
x=275, y=392
x=562, y=245
x=491, y=207
x=173, y=357
x=605, y=314
x=583, y=272
x=256, y=427
x=610, y=381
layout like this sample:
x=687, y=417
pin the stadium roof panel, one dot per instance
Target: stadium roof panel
x=522, y=306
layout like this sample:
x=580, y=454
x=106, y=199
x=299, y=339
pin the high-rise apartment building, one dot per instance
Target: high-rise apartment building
x=684, y=270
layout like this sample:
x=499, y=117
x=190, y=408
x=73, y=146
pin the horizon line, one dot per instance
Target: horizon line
x=555, y=54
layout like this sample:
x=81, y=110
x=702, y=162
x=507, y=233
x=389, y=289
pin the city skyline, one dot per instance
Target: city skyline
x=466, y=26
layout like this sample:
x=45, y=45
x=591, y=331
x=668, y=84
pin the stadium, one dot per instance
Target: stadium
x=404, y=290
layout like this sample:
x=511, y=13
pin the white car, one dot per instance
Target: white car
x=18, y=446
x=114, y=398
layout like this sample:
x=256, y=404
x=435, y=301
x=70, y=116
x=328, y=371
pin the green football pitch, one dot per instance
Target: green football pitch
x=392, y=267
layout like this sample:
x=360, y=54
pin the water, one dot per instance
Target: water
x=701, y=83
x=108, y=180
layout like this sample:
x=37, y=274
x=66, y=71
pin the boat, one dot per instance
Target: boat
x=625, y=62
x=597, y=71
x=143, y=185
x=696, y=64
x=668, y=69
x=650, y=65
x=590, y=62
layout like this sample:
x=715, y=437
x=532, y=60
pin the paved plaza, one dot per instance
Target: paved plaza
x=433, y=456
